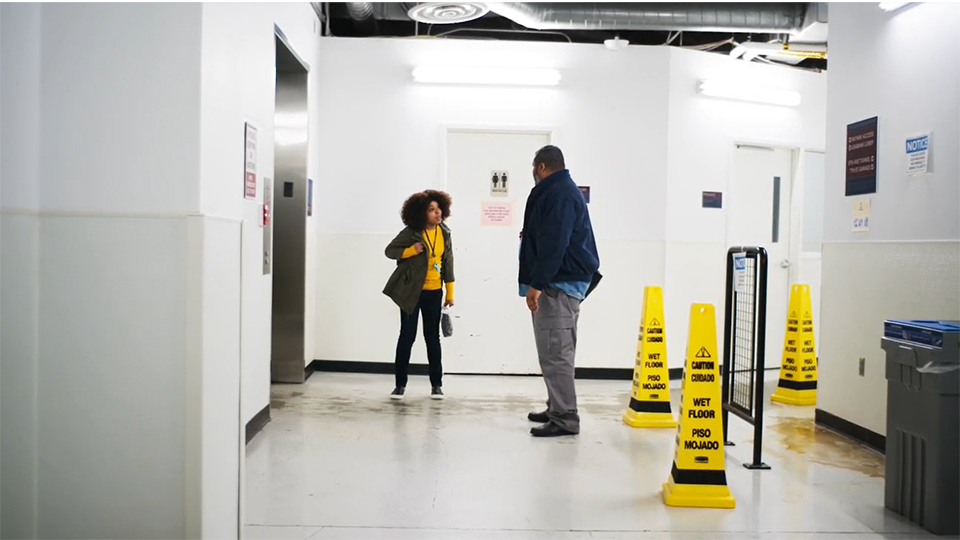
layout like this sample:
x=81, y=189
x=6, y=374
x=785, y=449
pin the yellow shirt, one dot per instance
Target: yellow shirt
x=434, y=246
x=433, y=242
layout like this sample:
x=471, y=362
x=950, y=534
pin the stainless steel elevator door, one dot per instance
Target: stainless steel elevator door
x=289, y=218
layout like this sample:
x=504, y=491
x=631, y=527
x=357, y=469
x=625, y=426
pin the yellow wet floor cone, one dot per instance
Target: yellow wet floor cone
x=650, y=399
x=798, y=372
x=699, y=477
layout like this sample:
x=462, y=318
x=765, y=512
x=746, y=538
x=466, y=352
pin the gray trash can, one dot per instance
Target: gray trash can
x=923, y=423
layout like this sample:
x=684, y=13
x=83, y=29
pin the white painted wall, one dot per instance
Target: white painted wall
x=237, y=87
x=631, y=127
x=112, y=378
x=19, y=265
x=913, y=80
x=702, y=134
x=1, y=266
x=128, y=131
x=813, y=185
x=907, y=265
x=222, y=432
x=382, y=139
x=127, y=328
x=119, y=164
x=812, y=180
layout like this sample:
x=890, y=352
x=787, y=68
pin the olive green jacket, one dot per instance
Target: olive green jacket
x=406, y=283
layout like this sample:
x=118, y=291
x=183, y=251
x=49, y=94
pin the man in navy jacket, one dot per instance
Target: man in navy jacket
x=558, y=269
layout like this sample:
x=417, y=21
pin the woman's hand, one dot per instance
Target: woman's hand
x=448, y=303
x=419, y=247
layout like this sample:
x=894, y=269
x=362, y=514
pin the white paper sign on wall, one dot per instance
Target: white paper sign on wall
x=740, y=272
x=861, y=215
x=250, y=163
x=918, y=154
x=500, y=184
x=496, y=213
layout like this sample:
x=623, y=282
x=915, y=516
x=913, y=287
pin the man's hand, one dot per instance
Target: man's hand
x=533, y=300
x=448, y=303
x=419, y=247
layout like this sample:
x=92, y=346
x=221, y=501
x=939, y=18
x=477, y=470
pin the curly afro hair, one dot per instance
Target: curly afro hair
x=414, y=211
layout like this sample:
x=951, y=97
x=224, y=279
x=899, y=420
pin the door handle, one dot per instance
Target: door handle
x=785, y=264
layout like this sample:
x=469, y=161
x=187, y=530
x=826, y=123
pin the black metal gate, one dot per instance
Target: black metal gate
x=744, y=343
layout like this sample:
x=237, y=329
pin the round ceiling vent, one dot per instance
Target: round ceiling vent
x=447, y=12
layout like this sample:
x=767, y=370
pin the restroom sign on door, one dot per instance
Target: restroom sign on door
x=499, y=184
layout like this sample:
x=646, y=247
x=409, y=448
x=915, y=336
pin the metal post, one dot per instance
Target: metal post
x=760, y=354
x=727, y=336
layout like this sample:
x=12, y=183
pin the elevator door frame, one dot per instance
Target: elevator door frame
x=289, y=219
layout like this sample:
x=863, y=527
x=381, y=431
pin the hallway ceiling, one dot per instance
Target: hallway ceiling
x=784, y=33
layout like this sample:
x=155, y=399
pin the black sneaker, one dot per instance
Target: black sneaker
x=436, y=393
x=397, y=393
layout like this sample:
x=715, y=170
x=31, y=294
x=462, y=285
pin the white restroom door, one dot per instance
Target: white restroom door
x=759, y=215
x=492, y=328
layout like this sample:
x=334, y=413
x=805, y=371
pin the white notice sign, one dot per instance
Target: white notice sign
x=496, y=214
x=740, y=272
x=861, y=216
x=918, y=153
x=250, y=163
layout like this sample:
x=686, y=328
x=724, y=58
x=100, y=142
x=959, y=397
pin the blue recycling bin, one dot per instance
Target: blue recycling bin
x=923, y=422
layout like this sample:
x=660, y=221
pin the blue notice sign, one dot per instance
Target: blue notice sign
x=918, y=151
x=740, y=271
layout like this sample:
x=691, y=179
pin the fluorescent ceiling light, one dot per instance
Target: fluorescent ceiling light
x=746, y=92
x=486, y=75
x=892, y=6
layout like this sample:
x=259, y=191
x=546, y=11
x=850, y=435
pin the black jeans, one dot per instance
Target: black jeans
x=429, y=305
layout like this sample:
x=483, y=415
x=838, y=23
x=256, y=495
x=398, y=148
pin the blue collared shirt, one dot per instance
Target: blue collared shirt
x=574, y=289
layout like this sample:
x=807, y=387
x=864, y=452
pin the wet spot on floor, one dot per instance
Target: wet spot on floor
x=820, y=445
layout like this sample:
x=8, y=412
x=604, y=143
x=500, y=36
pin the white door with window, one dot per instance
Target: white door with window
x=758, y=214
x=492, y=328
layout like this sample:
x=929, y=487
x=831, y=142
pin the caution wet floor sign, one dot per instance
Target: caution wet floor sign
x=650, y=399
x=698, y=477
x=798, y=372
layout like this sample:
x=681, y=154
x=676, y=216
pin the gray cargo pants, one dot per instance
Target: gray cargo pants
x=555, y=331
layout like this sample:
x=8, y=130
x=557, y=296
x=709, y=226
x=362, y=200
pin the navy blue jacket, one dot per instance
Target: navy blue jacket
x=558, y=243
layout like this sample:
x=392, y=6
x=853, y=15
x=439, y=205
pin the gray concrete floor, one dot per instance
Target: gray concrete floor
x=340, y=460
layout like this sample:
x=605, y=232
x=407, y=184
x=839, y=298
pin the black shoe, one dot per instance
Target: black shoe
x=436, y=393
x=550, y=430
x=538, y=417
x=397, y=393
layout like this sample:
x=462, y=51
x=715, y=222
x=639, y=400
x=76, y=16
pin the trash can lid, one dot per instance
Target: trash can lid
x=921, y=331
x=938, y=326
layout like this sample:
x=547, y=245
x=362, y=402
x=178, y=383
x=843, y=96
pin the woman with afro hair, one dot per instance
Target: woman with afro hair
x=424, y=254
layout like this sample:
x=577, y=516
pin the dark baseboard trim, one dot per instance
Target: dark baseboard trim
x=603, y=374
x=309, y=370
x=378, y=368
x=386, y=368
x=845, y=427
x=257, y=423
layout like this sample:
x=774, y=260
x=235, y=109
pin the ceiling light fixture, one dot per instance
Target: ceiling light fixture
x=745, y=92
x=486, y=76
x=616, y=44
x=447, y=12
x=892, y=6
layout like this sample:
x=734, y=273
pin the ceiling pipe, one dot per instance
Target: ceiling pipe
x=362, y=15
x=750, y=50
x=767, y=18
